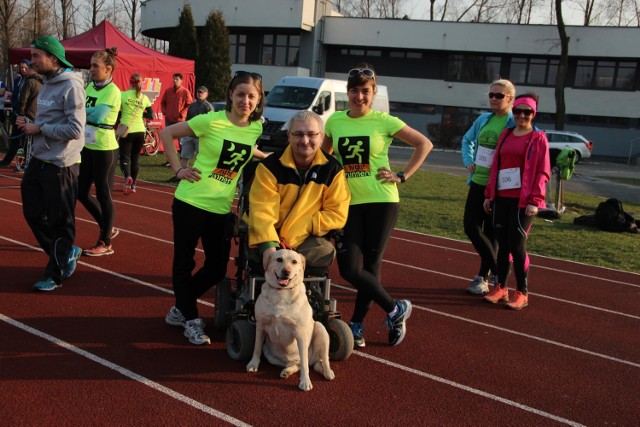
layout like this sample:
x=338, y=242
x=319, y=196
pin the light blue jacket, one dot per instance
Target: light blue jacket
x=470, y=139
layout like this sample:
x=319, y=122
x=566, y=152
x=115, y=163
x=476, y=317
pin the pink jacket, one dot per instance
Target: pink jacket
x=535, y=175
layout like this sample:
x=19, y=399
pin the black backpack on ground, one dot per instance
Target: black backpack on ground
x=611, y=217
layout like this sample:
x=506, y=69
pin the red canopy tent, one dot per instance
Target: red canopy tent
x=156, y=68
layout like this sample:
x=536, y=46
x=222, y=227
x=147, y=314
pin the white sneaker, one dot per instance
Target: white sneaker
x=478, y=286
x=175, y=317
x=194, y=330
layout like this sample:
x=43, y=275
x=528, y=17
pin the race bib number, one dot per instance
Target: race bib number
x=90, y=135
x=508, y=179
x=484, y=156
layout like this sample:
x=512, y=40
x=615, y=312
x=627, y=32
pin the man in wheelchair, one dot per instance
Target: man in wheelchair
x=297, y=196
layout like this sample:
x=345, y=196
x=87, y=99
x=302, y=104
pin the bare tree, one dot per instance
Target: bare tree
x=562, y=68
x=66, y=17
x=132, y=8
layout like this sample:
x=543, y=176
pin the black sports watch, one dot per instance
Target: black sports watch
x=402, y=177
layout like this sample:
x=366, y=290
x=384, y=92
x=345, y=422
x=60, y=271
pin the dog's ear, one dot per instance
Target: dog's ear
x=304, y=261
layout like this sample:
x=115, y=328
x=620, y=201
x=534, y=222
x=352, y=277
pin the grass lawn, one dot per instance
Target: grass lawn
x=433, y=203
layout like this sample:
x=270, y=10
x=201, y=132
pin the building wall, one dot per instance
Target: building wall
x=421, y=85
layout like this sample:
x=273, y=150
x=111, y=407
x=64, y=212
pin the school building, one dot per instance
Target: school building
x=437, y=73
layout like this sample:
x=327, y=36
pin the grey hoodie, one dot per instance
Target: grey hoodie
x=61, y=116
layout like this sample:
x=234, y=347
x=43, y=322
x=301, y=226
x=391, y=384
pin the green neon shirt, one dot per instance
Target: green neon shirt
x=132, y=110
x=362, y=146
x=108, y=95
x=488, y=138
x=224, y=150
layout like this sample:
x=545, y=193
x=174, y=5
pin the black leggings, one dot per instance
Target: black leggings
x=191, y=224
x=98, y=167
x=479, y=229
x=130, y=147
x=360, y=253
x=512, y=228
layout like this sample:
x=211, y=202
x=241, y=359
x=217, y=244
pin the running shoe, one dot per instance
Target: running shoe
x=99, y=249
x=478, y=286
x=72, y=262
x=175, y=317
x=398, y=323
x=497, y=294
x=127, y=186
x=518, y=301
x=46, y=284
x=194, y=330
x=358, y=338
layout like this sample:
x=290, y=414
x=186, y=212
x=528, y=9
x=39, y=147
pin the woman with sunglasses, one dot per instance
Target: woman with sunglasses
x=514, y=193
x=478, y=148
x=360, y=137
x=202, y=202
x=135, y=106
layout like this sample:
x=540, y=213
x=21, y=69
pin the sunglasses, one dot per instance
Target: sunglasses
x=518, y=111
x=496, y=95
x=255, y=76
x=366, y=72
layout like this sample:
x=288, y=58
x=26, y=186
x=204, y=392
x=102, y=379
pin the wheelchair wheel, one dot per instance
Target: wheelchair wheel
x=224, y=303
x=151, y=143
x=340, y=340
x=241, y=337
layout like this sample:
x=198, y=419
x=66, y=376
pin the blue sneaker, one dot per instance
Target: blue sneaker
x=397, y=323
x=45, y=285
x=72, y=262
x=358, y=338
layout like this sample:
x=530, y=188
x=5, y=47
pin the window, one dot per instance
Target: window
x=280, y=49
x=534, y=71
x=597, y=74
x=342, y=101
x=238, y=48
x=473, y=68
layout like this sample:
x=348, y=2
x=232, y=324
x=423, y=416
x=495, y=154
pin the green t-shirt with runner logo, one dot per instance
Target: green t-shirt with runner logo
x=105, y=139
x=362, y=146
x=132, y=110
x=224, y=150
x=487, y=140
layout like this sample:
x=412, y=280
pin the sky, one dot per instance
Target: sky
x=420, y=10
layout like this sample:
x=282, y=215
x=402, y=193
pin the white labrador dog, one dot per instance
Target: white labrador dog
x=285, y=325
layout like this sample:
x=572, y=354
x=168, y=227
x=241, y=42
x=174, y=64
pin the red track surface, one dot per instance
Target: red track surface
x=97, y=350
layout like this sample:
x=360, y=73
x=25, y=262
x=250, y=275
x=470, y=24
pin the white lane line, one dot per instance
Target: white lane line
x=605, y=310
x=124, y=372
x=469, y=389
x=542, y=267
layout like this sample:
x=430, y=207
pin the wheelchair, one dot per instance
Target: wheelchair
x=236, y=296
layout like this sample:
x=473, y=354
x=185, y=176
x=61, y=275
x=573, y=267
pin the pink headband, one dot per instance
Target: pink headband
x=526, y=101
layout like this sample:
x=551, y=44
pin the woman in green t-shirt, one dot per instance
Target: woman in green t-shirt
x=100, y=152
x=135, y=106
x=202, y=202
x=360, y=138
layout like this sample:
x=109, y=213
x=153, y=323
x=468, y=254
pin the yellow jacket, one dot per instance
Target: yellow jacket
x=285, y=205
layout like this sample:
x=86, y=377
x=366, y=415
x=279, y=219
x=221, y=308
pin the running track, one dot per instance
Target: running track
x=97, y=350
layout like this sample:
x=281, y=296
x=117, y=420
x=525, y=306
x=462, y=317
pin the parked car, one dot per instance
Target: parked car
x=219, y=105
x=560, y=139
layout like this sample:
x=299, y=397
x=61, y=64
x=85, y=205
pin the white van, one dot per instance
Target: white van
x=291, y=94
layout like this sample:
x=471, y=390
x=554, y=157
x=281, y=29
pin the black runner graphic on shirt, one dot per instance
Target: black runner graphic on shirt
x=233, y=157
x=355, y=151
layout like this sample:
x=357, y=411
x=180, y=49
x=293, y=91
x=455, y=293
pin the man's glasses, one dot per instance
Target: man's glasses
x=361, y=72
x=518, y=111
x=254, y=76
x=496, y=95
x=300, y=135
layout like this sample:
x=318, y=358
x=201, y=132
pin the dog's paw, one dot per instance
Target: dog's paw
x=305, y=384
x=328, y=374
x=288, y=371
x=252, y=366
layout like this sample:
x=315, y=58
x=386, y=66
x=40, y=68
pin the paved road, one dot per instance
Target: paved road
x=587, y=179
